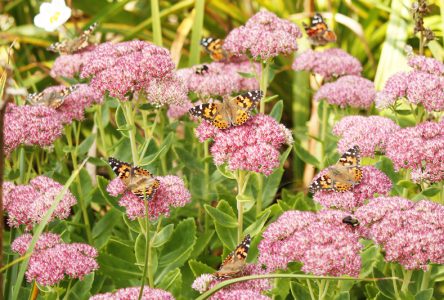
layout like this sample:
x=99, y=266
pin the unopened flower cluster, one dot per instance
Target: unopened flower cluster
x=133, y=293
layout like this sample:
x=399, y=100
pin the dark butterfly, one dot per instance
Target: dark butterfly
x=70, y=46
x=235, y=262
x=318, y=31
x=214, y=48
x=51, y=99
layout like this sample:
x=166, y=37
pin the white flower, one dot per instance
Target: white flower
x=52, y=15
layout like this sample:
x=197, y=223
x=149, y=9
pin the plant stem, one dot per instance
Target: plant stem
x=240, y=207
x=395, y=287
x=147, y=250
x=206, y=185
x=441, y=194
x=98, y=117
x=321, y=289
x=406, y=281
x=196, y=32
x=323, y=132
x=157, y=29
x=426, y=279
x=128, y=112
x=15, y=261
x=310, y=289
x=260, y=193
x=263, y=85
x=405, y=191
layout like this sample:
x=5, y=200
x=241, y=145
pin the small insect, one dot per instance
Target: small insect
x=235, y=262
x=343, y=176
x=214, y=48
x=233, y=112
x=53, y=99
x=201, y=70
x=318, y=31
x=70, y=46
x=138, y=181
x=349, y=220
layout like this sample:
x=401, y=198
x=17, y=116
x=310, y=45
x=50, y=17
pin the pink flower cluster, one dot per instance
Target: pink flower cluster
x=133, y=293
x=70, y=66
x=330, y=63
x=324, y=244
x=410, y=233
x=354, y=130
x=172, y=192
x=169, y=90
x=244, y=294
x=124, y=68
x=254, y=146
x=264, y=36
x=373, y=182
x=424, y=84
x=221, y=79
x=27, y=204
x=30, y=125
x=52, y=259
x=420, y=148
x=352, y=90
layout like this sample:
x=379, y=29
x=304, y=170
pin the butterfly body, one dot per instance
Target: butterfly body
x=318, y=31
x=53, y=99
x=137, y=180
x=233, y=112
x=70, y=46
x=235, y=262
x=342, y=176
x=214, y=48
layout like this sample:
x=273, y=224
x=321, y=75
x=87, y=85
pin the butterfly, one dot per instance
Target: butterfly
x=318, y=31
x=233, y=112
x=73, y=45
x=349, y=220
x=235, y=262
x=138, y=181
x=51, y=99
x=214, y=48
x=341, y=177
x=201, y=70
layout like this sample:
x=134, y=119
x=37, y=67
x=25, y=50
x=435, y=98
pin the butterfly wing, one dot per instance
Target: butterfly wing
x=318, y=31
x=212, y=112
x=122, y=169
x=143, y=184
x=324, y=182
x=51, y=99
x=234, y=263
x=243, y=104
x=349, y=171
x=214, y=48
x=74, y=45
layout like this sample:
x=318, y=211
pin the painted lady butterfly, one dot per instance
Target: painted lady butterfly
x=349, y=220
x=233, y=112
x=341, y=177
x=201, y=70
x=214, y=48
x=138, y=181
x=50, y=99
x=318, y=31
x=235, y=262
x=73, y=45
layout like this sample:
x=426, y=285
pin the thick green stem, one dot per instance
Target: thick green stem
x=146, y=231
x=98, y=117
x=206, y=183
x=310, y=289
x=128, y=112
x=323, y=132
x=405, y=191
x=406, y=281
x=157, y=29
x=395, y=286
x=260, y=193
x=240, y=207
x=441, y=194
x=426, y=279
x=321, y=285
x=265, y=68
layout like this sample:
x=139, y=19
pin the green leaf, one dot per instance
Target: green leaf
x=162, y=236
x=384, y=286
x=277, y=110
x=178, y=249
x=431, y=191
x=256, y=227
x=102, y=183
x=305, y=156
x=198, y=268
x=220, y=217
x=223, y=169
x=81, y=289
x=86, y=144
x=369, y=258
x=202, y=243
x=172, y=282
x=247, y=75
x=343, y=296
x=117, y=268
x=103, y=228
x=141, y=251
x=406, y=184
x=424, y=294
x=299, y=291
x=227, y=235
x=121, y=121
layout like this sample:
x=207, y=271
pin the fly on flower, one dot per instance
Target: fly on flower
x=53, y=99
x=349, y=220
x=235, y=262
x=318, y=31
x=233, y=112
x=201, y=70
x=73, y=45
x=214, y=48
x=138, y=181
x=343, y=176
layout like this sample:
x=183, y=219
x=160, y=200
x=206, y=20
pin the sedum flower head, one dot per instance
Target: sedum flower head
x=373, y=182
x=52, y=15
x=264, y=36
x=240, y=294
x=323, y=244
x=254, y=146
x=133, y=293
x=222, y=79
x=421, y=149
x=52, y=259
x=329, y=63
x=349, y=90
x=27, y=204
x=171, y=192
x=70, y=65
x=353, y=130
x=410, y=233
x=169, y=90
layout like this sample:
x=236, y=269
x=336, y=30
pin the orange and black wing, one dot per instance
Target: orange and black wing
x=352, y=160
x=212, y=112
x=323, y=182
x=214, y=48
x=244, y=104
x=235, y=261
x=122, y=169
